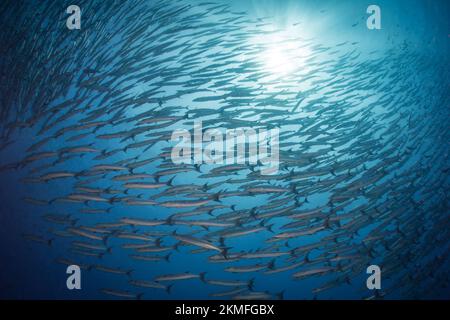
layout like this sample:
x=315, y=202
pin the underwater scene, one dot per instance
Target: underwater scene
x=209, y=149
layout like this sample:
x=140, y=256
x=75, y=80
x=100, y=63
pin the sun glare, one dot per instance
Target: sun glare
x=282, y=56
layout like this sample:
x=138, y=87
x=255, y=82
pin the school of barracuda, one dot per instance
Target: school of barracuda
x=365, y=137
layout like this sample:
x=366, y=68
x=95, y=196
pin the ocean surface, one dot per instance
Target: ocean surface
x=87, y=118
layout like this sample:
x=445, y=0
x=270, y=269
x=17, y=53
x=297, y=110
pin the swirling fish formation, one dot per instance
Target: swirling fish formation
x=363, y=151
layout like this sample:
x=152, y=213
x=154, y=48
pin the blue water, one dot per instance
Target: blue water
x=412, y=46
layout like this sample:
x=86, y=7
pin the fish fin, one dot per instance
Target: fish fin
x=250, y=284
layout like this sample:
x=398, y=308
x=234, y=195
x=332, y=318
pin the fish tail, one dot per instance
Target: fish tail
x=225, y=252
x=105, y=239
x=169, y=182
x=112, y=199
x=148, y=147
x=280, y=295
x=202, y=277
x=169, y=288
x=307, y=260
x=216, y=196
x=292, y=253
x=294, y=189
x=169, y=220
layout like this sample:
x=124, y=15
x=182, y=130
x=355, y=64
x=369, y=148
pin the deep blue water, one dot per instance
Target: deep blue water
x=399, y=74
